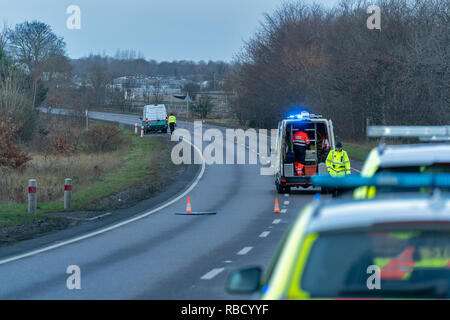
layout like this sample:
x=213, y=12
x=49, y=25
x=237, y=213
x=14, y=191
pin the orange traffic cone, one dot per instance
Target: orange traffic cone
x=277, y=207
x=188, y=206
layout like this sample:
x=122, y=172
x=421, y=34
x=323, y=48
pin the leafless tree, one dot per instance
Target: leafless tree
x=327, y=60
x=33, y=44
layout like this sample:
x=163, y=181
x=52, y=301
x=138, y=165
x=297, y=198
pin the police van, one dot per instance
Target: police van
x=321, y=140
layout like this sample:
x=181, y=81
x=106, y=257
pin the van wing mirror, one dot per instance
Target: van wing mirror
x=244, y=281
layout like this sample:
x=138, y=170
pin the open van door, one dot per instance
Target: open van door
x=318, y=131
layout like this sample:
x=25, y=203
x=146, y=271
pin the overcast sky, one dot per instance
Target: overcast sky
x=163, y=30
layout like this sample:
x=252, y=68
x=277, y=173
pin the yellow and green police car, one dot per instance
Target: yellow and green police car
x=391, y=246
x=430, y=156
x=411, y=158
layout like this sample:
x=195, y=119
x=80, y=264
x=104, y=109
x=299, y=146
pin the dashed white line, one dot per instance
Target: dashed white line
x=227, y=261
x=276, y=221
x=264, y=234
x=214, y=272
x=286, y=202
x=286, y=194
x=283, y=211
x=245, y=251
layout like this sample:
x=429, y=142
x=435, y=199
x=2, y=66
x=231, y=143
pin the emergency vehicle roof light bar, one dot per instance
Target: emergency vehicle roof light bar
x=408, y=131
x=304, y=116
x=434, y=139
x=400, y=180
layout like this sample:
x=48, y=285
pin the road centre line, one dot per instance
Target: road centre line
x=264, y=234
x=210, y=275
x=245, y=250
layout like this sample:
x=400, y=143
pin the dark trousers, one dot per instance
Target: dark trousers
x=172, y=127
x=300, y=153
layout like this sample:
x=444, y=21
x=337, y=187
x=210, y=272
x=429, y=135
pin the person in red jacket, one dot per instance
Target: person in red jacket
x=300, y=141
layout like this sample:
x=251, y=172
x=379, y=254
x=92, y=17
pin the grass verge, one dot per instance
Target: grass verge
x=137, y=165
x=357, y=151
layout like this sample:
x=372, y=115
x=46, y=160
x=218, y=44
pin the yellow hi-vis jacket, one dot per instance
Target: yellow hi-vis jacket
x=338, y=163
x=172, y=119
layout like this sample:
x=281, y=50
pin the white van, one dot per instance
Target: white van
x=321, y=136
x=154, y=118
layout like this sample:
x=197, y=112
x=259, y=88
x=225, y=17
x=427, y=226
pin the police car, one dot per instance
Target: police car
x=387, y=247
x=321, y=139
x=408, y=158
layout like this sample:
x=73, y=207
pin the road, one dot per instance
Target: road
x=160, y=255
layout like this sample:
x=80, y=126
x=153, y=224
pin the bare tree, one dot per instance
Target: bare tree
x=33, y=44
x=158, y=93
x=329, y=62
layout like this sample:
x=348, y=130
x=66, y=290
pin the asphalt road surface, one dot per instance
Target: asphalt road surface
x=157, y=254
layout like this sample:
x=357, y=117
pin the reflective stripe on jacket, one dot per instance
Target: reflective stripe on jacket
x=301, y=138
x=338, y=163
x=326, y=144
x=172, y=119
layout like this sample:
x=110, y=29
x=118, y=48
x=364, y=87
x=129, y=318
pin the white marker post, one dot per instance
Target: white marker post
x=32, y=196
x=142, y=131
x=135, y=128
x=87, y=119
x=67, y=193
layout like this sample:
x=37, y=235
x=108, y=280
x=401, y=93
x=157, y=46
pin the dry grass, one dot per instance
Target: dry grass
x=50, y=172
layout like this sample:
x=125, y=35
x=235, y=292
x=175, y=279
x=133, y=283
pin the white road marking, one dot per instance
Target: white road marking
x=286, y=194
x=286, y=202
x=245, y=251
x=356, y=170
x=283, y=210
x=210, y=275
x=228, y=261
x=264, y=234
x=276, y=221
x=115, y=226
x=91, y=219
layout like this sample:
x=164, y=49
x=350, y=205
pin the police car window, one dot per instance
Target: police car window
x=411, y=264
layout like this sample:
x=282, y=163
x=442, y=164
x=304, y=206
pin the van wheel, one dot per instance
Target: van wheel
x=280, y=188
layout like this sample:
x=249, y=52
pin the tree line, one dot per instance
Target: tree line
x=329, y=62
x=132, y=64
x=36, y=70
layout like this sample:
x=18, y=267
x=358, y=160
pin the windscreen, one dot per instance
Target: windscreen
x=379, y=264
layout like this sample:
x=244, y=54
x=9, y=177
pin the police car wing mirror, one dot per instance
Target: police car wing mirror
x=244, y=281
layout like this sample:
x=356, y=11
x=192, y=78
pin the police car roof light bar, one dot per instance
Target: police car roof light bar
x=422, y=132
x=400, y=180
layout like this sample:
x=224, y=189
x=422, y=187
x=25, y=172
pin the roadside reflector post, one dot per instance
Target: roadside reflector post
x=135, y=128
x=32, y=196
x=142, y=131
x=67, y=193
